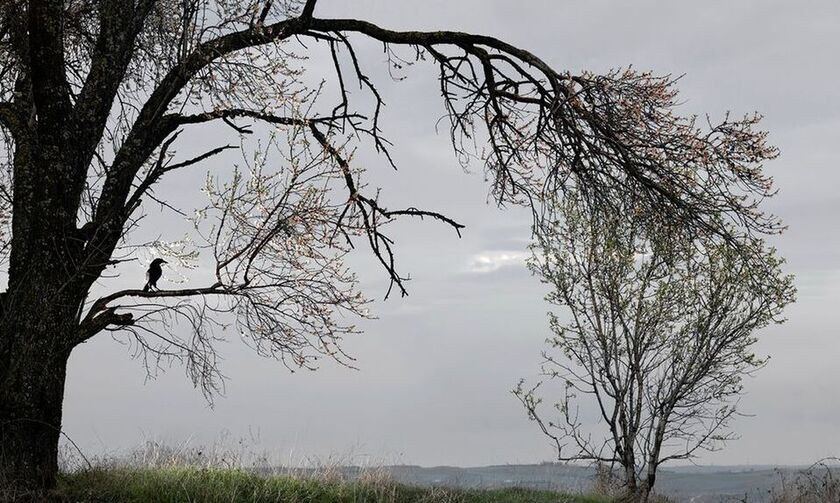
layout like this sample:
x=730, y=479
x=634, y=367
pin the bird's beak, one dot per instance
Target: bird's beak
x=165, y=262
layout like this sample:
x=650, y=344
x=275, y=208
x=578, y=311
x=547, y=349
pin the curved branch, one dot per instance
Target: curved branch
x=433, y=38
x=605, y=135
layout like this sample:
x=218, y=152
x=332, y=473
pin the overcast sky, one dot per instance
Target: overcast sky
x=436, y=368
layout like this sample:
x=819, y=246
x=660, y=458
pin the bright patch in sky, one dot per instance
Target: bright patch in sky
x=491, y=261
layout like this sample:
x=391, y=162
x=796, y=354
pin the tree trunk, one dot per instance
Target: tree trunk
x=644, y=491
x=630, y=489
x=33, y=365
x=629, y=465
x=38, y=314
x=639, y=494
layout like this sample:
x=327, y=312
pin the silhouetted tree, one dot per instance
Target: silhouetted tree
x=94, y=95
x=656, y=337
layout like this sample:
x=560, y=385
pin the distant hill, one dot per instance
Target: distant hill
x=698, y=484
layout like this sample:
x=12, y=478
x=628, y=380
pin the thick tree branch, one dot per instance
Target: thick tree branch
x=109, y=317
x=433, y=38
x=215, y=289
x=308, y=9
x=119, y=25
x=279, y=120
x=100, y=315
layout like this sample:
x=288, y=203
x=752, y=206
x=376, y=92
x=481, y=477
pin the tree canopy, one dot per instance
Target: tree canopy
x=96, y=97
x=652, y=340
x=114, y=85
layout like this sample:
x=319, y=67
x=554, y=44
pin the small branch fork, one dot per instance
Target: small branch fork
x=380, y=244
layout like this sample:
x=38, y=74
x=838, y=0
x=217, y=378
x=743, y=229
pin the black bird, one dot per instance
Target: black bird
x=153, y=274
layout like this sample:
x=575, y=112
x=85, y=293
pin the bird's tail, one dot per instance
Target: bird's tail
x=146, y=288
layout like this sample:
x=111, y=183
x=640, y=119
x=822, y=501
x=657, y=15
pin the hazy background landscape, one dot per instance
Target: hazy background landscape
x=695, y=484
x=436, y=368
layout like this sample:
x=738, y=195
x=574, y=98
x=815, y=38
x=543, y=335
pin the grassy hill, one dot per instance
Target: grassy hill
x=176, y=485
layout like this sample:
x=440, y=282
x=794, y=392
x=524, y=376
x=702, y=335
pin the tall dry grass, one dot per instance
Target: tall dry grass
x=820, y=483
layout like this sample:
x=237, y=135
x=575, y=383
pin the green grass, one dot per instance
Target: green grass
x=215, y=485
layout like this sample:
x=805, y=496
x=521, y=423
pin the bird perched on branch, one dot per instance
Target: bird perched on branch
x=153, y=274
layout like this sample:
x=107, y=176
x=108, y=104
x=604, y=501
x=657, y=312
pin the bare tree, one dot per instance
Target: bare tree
x=95, y=93
x=656, y=336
